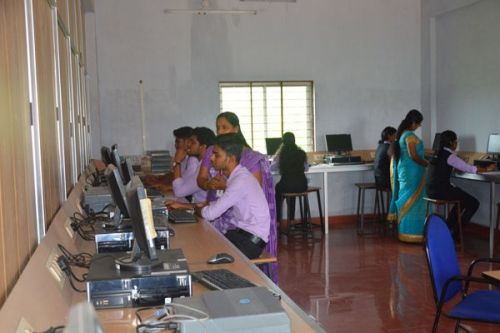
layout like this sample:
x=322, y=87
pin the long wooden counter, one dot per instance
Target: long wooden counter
x=39, y=302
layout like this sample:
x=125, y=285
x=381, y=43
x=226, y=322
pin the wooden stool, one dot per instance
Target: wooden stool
x=360, y=211
x=265, y=258
x=447, y=205
x=305, y=212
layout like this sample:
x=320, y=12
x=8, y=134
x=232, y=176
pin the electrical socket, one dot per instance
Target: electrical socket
x=69, y=229
x=24, y=326
x=54, y=268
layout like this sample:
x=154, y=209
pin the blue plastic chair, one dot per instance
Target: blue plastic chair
x=447, y=281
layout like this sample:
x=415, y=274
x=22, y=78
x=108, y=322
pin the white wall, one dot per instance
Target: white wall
x=363, y=56
x=461, y=75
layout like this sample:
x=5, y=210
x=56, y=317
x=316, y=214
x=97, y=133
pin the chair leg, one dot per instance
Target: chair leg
x=436, y=321
x=301, y=206
x=307, y=213
x=320, y=212
x=288, y=217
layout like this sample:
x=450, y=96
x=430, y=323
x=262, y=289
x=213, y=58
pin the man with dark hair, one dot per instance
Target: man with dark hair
x=243, y=195
x=182, y=135
x=184, y=183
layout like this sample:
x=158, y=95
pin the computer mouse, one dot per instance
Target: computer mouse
x=220, y=258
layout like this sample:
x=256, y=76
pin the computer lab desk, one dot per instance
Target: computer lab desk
x=37, y=301
x=326, y=169
x=492, y=178
x=198, y=242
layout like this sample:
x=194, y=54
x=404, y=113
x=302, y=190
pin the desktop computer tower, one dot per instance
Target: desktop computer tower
x=94, y=199
x=110, y=287
x=120, y=238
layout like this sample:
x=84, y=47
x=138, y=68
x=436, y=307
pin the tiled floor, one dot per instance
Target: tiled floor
x=372, y=283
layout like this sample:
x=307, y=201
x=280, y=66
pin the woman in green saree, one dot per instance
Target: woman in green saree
x=408, y=180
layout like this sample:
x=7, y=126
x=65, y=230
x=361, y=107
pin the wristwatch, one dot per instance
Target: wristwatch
x=175, y=163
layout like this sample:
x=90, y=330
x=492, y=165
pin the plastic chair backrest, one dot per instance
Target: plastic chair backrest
x=441, y=257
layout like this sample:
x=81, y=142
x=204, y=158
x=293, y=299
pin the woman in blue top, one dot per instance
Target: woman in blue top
x=408, y=180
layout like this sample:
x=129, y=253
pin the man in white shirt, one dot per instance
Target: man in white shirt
x=184, y=183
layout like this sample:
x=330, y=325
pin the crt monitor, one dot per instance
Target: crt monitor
x=436, y=142
x=338, y=143
x=106, y=155
x=272, y=145
x=494, y=145
x=127, y=170
x=117, y=189
x=143, y=257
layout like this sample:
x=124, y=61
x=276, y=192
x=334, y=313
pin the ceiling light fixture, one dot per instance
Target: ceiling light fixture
x=205, y=10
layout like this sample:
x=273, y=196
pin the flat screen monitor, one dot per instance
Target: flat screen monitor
x=338, y=143
x=127, y=170
x=143, y=257
x=116, y=160
x=106, y=155
x=118, y=192
x=272, y=145
x=436, y=142
x=494, y=144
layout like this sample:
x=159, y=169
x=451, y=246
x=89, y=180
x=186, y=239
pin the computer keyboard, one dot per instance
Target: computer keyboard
x=153, y=192
x=181, y=216
x=348, y=163
x=219, y=279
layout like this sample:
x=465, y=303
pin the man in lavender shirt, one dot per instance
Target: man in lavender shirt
x=184, y=183
x=438, y=179
x=243, y=196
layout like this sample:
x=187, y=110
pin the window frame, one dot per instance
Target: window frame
x=281, y=84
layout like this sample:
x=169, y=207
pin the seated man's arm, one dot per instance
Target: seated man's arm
x=186, y=184
x=230, y=197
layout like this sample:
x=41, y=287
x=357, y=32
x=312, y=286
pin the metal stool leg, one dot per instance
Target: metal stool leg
x=302, y=220
x=362, y=220
x=307, y=213
x=321, y=212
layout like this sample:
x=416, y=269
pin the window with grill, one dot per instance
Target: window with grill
x=269, y=109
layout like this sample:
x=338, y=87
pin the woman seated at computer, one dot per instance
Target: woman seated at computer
x=382, y=160
x=291, y=162
x=439, y=185
x=243, y=197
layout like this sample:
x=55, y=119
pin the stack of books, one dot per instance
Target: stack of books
x=161, y=161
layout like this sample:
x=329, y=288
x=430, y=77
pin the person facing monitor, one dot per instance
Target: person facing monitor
x=272, y=145
x=494, y=146
x=339, y=144
x=143, y=257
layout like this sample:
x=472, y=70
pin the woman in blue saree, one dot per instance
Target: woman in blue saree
x=408, y=180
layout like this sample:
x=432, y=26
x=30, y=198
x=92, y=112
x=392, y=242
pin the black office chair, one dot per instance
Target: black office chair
x=447, y=281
